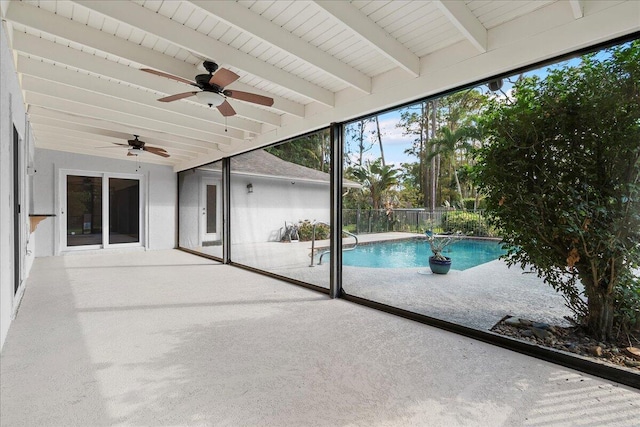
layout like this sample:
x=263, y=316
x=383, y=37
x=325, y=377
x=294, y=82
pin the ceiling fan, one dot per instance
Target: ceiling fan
x=213, y=92
x=137, y=147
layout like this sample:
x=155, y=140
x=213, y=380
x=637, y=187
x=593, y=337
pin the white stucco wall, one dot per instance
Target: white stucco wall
x=257, y=216
x=159, y=196
x=12, y=113
x=190, y=206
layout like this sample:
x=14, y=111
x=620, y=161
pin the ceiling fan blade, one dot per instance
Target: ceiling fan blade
x=249, y=97
x=129, y=154
x=223, y=77
x=177, y=96
x=169, y=76
x=226, y=109
x=156, y=150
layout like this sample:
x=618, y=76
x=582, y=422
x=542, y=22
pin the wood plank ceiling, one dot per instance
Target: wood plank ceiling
x=321, y=61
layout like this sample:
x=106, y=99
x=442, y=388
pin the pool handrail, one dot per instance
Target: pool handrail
x=313, y=242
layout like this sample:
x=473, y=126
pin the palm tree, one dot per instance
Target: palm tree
x=448, y=143
x=377, y=179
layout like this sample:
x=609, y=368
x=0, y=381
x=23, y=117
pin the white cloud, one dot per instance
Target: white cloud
x=390, y=133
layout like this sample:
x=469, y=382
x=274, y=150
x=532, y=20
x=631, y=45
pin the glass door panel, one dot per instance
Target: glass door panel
x=84, y=210
x=210, y=205
x=124, y=210
x=211, y=209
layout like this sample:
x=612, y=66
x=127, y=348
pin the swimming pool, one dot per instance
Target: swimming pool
x=415, y=253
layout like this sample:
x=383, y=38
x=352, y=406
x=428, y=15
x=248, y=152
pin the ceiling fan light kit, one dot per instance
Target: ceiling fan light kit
x=212, y=99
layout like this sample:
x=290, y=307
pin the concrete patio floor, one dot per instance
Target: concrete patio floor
x=477, y=297
x=167, y=338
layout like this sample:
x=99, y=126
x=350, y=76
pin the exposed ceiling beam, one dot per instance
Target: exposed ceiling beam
x=204, y=46
x=371, y=33
x=56, y=25
x=465, y=21
x=97, y=140
x=249, y=22
x=280, y=104
x=34, y=17
x=125, y=108
x=209, y=116
x=102, y=127
x=4, y=4
x=577, y=7
x=97, y=146
x=92, y=111
x=60, y=54
x=51, y=143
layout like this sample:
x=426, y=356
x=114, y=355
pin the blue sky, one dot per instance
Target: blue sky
x=395, y=143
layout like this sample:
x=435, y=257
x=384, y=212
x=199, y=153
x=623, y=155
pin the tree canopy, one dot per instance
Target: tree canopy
x=561, y=172
x=377, y=180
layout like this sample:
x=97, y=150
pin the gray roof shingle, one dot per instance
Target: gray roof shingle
x=259, y=162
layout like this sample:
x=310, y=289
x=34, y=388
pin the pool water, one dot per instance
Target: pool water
x=415, y=253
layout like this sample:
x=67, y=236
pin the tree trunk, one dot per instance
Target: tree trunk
x=380, y=141
x=476, y=200
x=436, y=179
x=360, y=143
x=601, y=308
x=424, y=147
x=458, y=188
x=434, y=172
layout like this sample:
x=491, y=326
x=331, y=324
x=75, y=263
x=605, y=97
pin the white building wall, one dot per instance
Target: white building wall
x=190, y=206
x=159, y=196
x=258, y=216
x=12, y=113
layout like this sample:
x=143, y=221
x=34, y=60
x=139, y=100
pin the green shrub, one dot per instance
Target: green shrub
x=470, y=201
x=305, y=231
x=351, y=228
x=469, y=223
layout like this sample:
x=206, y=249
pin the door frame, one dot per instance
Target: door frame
x=18, y=208
x=202, y=223
x=62, y=201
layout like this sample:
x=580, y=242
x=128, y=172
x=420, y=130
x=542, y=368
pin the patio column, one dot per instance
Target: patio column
x=226, y=210
x=336, y=152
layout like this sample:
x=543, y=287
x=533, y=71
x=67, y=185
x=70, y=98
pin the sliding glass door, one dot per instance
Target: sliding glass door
x=100, y=210
x=84, y=211
x=124, y=211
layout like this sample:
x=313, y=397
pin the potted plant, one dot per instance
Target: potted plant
x=429, y=227
x=439, y=263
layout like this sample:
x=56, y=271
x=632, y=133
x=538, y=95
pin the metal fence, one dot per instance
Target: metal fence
x=363, y=221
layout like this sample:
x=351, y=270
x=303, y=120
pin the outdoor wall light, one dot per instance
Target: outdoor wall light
x=495, y=85
x=249, y=188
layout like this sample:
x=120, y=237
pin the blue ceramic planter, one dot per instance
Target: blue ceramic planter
x=438, y=266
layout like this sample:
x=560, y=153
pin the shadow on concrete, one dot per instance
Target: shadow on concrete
x=48, y=376
x=198, y=305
